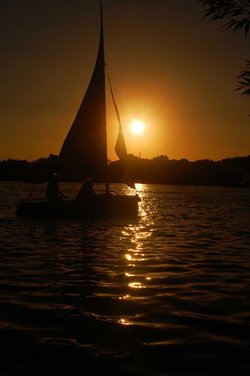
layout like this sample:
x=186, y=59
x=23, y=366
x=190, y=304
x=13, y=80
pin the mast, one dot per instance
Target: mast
x=102, y=42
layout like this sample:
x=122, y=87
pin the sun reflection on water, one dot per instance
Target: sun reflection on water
x=124, y=322
x=121, y=272
x=136, y=285
x=137, y=253
x=127, y=296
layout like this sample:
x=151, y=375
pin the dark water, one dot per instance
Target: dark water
x=167, y=294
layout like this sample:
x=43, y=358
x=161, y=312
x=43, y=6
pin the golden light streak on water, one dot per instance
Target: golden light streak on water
x=127, y=296
x=125, y=322
x=136, y=285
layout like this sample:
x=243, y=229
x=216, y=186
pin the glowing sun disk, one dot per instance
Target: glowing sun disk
x=137, y=126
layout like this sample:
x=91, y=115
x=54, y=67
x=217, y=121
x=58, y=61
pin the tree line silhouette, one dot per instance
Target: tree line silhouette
x=161, y=170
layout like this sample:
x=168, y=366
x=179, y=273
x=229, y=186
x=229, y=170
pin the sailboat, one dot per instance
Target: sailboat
x=85, y=146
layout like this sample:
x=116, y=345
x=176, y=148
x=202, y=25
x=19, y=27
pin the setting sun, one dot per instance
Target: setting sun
x=137, y=126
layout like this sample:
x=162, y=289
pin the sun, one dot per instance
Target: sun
x=137, y=126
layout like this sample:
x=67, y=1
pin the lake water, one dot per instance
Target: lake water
x=166, y=294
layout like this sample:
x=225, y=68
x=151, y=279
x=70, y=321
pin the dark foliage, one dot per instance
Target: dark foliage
x=160, y=170
x=236, y=14
x=244, y=79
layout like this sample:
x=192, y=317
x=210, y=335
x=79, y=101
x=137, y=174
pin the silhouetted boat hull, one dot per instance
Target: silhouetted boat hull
x=103, y=206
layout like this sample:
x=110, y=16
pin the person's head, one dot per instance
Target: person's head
x=89, y=182
x=56, y=176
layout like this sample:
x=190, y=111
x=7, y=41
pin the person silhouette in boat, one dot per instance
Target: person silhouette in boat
x=53, y=192
x=86, y=190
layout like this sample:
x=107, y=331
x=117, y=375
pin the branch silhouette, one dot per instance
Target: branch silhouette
x=237, y=18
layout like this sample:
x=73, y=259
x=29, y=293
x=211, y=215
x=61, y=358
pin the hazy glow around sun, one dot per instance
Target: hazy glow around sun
x=137, y=126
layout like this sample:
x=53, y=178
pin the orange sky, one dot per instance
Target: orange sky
x=168, y=65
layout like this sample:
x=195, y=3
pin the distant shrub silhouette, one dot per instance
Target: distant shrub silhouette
x=160, y=170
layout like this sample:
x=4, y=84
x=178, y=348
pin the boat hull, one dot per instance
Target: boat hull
x=99, y=206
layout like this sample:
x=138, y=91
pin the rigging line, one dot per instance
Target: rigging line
x=112, y=94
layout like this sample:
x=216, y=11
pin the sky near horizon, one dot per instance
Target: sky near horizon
x=169, y=67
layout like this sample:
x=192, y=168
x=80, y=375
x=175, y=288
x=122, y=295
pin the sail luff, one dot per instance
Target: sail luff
x=85, y=146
